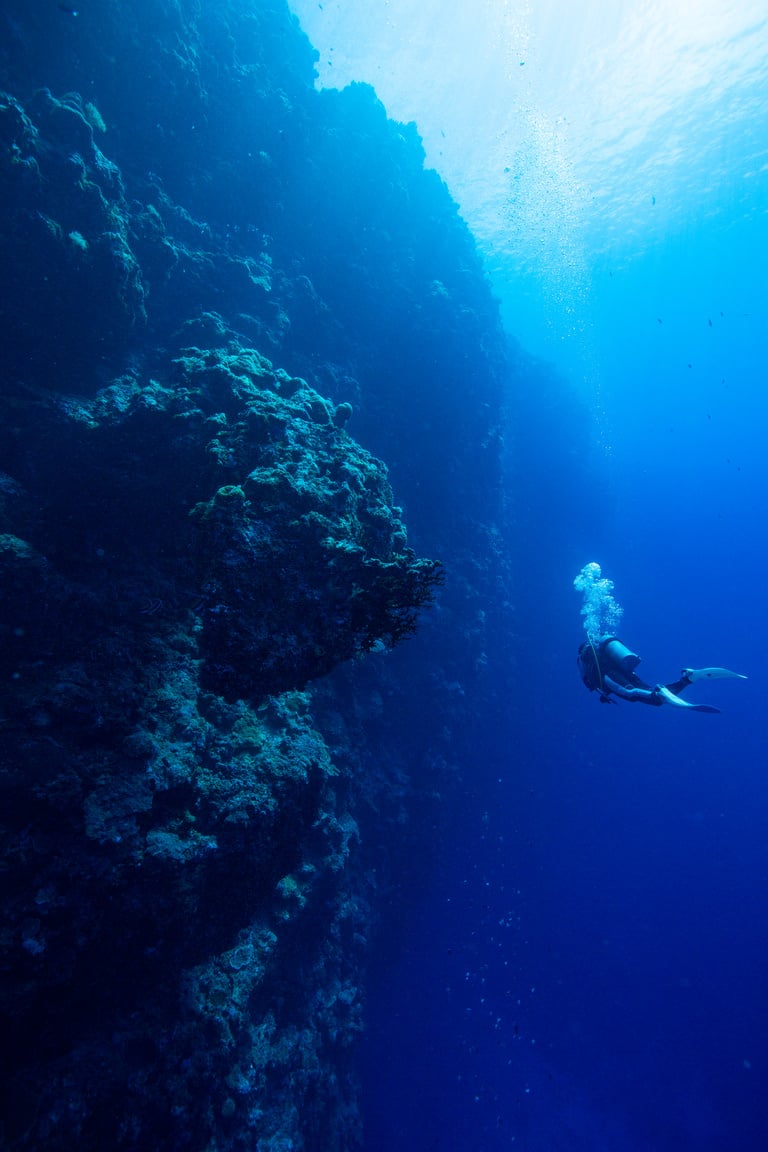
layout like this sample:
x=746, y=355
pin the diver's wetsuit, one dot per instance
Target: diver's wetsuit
x=608, y=667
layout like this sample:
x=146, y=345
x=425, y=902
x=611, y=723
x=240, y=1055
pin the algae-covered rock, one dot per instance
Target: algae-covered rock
x=180, y=555
x=189, y=839
x=70, y=283
x=303, y=560
x=229, y=492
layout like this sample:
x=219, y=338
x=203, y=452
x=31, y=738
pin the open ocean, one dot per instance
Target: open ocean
x=588, y=970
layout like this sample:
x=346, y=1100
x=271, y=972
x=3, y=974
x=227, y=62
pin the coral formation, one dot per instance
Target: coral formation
x=217, y=285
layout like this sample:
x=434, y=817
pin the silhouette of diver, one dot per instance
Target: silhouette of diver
x=608, y=667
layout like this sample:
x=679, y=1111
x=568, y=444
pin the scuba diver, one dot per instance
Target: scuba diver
x=608, y=667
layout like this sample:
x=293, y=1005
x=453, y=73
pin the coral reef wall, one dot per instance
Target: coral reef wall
x=224, y=298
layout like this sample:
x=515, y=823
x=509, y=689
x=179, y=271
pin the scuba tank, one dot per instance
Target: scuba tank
x=613, y=652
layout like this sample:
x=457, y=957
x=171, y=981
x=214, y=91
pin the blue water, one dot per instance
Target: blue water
x=587, y=968
x=588, y=971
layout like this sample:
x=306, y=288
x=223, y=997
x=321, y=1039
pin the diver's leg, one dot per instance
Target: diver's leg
x=692, y=675
x=679, y=686
x=644, y=695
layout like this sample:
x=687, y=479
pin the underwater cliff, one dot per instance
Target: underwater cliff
x=250, y=431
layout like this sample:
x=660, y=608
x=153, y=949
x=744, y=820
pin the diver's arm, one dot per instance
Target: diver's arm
x=639, y=695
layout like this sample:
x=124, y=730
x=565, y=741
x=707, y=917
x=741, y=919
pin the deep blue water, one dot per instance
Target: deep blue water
x=588, y=969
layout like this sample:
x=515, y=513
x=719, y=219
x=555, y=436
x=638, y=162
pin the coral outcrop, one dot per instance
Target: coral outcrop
x=220, y=293
x=178, y=559
x=180, y=555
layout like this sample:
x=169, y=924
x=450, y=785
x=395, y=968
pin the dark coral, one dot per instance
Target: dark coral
x=191, y=540
x=70, y=280
x=172, y=821
x=229, y=491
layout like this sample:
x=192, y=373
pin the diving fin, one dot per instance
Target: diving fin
x=694, y=674
x=670, y=698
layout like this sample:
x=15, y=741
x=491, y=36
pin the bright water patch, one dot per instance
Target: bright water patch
x=572, y=136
